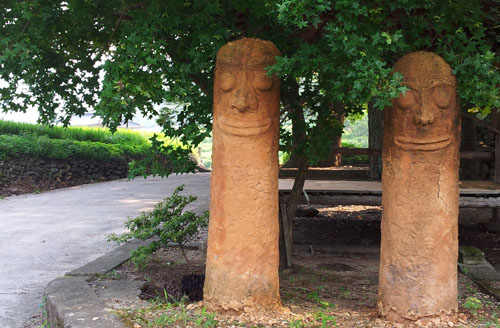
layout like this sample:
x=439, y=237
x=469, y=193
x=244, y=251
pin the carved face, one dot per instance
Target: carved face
x=425, y=118
x=246, y=99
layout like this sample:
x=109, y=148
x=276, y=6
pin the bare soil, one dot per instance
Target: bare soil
x=333, y=281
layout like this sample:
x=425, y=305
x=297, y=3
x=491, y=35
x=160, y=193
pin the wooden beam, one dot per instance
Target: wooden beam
x=356, y=151
x=482, y=155
x=489, y=202
x=325, y=199
x=287, y=237
x=496, y=122
x=483, y=123
x=373, y=200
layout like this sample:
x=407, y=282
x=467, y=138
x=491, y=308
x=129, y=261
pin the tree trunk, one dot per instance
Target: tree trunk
x=298, y=135
x=334, y=158
x=291, y=207
x=375, y=137
x=296, y=115
x=469, y=168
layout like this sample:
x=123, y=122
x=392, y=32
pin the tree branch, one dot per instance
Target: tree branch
x=108, y=42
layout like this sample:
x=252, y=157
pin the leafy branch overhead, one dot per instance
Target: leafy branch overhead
x=162, y=160
x=124, y=57
x=168, y=222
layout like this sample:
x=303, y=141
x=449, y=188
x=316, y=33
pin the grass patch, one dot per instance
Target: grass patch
x=161, y=314
x=102, y=135
x=43, y=146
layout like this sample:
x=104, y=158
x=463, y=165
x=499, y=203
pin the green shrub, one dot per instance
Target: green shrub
x=168, y=222
x=74, y=133
x=42, y=146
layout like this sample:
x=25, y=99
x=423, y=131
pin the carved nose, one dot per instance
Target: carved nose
x=424, y=114
x=424, y=117
x=243, y=101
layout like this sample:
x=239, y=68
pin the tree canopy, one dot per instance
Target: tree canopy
x=120, y=57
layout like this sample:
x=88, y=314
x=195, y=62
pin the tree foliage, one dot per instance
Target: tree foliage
x=121, y=57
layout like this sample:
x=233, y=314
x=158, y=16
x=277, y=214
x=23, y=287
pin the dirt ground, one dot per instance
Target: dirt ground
x=333, y=281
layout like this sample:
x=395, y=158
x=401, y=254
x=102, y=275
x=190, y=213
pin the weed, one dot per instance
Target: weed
x=314, y=296
x=326, y=305
x=473, y=304
x=494, y=322
x=344, y=292
x=296, y=324
x=45, y=323
x=469, y=287
x=326, y=320
x=206, y=320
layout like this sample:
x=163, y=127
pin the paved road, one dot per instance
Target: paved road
x=43, y=236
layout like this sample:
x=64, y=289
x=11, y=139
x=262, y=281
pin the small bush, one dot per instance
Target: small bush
x=168, y=222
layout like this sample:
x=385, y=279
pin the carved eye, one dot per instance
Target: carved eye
x=227, y=82
x=262, y=82
x=441, y=96
x=407, y=100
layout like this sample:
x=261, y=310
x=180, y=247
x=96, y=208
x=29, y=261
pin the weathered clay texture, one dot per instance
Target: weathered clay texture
x=418, y=260
x=242, y=250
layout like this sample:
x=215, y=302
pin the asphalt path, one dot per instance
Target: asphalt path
x=43, y=236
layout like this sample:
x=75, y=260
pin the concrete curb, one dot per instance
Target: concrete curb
x=473, y=264
x=109, y=261
x=70, y=302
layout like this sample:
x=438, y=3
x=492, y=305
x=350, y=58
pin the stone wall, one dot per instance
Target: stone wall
x=27, y=174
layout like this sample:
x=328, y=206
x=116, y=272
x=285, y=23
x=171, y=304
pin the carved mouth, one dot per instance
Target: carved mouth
x=426, y=145
x=243, y=129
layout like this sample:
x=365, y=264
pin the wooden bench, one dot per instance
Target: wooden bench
x=476, y=194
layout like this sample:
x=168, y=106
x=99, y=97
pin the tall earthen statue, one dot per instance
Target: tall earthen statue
x=418, y=260
x=242, y=250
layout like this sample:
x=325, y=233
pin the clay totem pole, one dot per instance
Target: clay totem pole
x=242, y=249
x=418, y=260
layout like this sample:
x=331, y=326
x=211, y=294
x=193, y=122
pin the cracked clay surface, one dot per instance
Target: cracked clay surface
x=418, y=264
x=242, y=249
